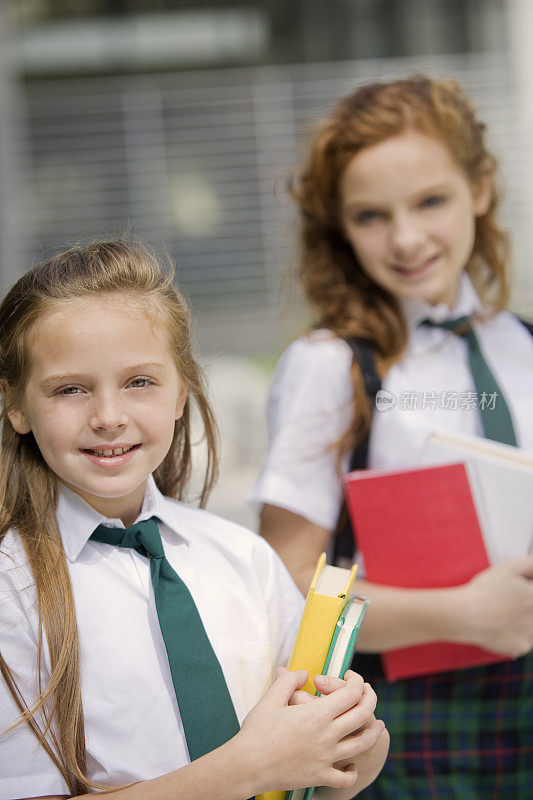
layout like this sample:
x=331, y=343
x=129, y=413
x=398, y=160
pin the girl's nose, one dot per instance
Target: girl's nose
x=107, y=413
x=407, y=238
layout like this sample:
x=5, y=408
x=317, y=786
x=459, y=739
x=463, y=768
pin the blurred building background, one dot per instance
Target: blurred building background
x=180, y=121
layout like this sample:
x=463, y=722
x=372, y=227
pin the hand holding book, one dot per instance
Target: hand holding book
x=302, y=743
x=325, y=644
x=430, y=574
x=365, y=747
x=497, y=607
x=366, y=728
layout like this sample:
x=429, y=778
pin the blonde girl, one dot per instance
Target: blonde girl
x=105, y=683
x=400, y=242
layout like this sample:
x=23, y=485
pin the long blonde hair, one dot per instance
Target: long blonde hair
x=29, y=489
x=342, y=296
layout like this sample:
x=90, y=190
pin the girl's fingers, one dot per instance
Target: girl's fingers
x=340, y=778
x=348, y=695
x=364, y=739
x=300, y=697
x=286, y=683
x=351, y=674
x=358, y=715
x=326, y=684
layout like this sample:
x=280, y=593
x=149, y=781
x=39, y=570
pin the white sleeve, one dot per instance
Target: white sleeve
x=285, y=604
x=310, y=407
x=25, y=768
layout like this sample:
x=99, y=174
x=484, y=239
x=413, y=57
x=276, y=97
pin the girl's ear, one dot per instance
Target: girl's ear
x=482, y=194
x=18, y=419
x=15, y=415
x=180, y=403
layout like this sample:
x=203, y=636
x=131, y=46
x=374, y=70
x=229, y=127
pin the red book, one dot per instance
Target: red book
x=418, y=528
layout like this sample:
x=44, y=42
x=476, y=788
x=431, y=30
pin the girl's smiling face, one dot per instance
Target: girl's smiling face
x=101, y=400
x=408, y=211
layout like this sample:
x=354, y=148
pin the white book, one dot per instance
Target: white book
x=501, y=479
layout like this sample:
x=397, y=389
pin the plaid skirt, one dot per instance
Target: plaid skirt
x=463, y=735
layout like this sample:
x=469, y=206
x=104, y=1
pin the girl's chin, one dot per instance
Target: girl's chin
x=431, y=292
x=99, y=496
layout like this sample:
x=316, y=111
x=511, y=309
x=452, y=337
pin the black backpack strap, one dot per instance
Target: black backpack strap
x=368, y=664
x=363, y=353
x=527, y=324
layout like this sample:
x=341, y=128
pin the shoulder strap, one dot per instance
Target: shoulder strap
x=527, y=324
x=363, y=353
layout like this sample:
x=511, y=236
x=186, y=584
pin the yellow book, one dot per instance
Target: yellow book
x=328, y=594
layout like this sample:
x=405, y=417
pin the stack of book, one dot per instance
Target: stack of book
x=326, y=638
x=468, y=506
x=501, y=480
x=439, y=525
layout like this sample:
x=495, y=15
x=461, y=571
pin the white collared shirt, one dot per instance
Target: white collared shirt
x=311, y=403
x=248, y=603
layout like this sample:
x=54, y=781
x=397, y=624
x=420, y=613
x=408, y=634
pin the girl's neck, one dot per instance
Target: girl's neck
x=126, y=508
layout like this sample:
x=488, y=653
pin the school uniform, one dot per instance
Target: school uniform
x=247, y=601
x=466, y=734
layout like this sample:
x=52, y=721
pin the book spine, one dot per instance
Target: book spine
x=319, y=619
x=350, y=648
x=311, y=647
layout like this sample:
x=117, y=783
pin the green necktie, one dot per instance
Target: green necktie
x=495, y=418
x=205, y=705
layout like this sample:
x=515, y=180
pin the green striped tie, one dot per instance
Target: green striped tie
x=495, y=418
x=207, y=712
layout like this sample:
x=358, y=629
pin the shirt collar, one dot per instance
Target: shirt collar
x=416, y=310
x=77, y=519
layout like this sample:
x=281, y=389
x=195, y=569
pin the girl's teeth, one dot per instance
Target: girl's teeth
x=109, y=453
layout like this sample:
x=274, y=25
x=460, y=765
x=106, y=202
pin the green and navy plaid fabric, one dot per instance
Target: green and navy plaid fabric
x=463, y=735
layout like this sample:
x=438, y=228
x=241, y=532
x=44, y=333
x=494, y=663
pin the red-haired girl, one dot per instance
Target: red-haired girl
x=405, y=267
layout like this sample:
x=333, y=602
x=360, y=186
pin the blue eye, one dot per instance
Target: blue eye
x=368, y=216
x=433, y=201
x=140, y=383
x=70, y=390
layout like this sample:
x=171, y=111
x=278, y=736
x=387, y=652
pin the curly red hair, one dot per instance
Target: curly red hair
x=344, y=298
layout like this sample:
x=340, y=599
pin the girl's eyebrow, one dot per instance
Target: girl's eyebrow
x=74, y=376
x=368, y=202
